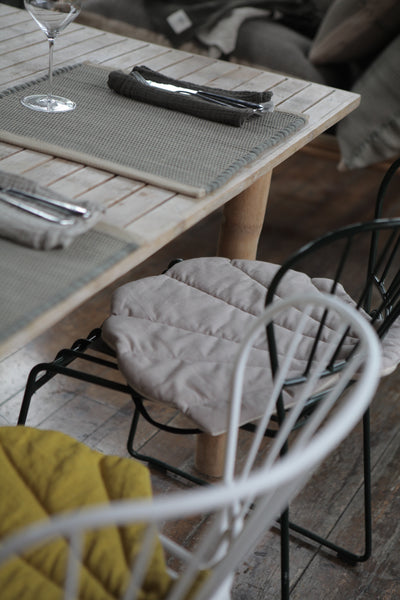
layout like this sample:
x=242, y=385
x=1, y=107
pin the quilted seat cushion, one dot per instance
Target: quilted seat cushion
x=176, y=335
x=45, y=473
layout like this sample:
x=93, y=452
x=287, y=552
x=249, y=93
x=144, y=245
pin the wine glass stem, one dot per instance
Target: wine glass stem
x=50, y=87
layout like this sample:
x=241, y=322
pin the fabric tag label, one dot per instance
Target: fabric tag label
x=179, y=21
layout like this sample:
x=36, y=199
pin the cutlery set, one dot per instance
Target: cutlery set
x=216, y=98
x=50, y=209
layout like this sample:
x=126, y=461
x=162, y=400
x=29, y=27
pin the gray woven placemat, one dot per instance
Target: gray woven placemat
x=150, y=143
x=34, y=281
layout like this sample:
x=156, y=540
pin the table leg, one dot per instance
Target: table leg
x=240, y=231
x=210, y=454
x=243, y=221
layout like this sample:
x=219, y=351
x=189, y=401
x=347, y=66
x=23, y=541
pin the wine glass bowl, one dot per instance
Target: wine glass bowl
x=52, y=16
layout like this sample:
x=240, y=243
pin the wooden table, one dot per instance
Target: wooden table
x=153, y=216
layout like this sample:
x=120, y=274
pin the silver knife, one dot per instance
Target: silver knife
x=34, y=210
x=68, y=207
x=219, y=98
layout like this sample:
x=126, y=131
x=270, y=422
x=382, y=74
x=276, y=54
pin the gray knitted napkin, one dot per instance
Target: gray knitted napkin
x=29, y=230
x=128, y=85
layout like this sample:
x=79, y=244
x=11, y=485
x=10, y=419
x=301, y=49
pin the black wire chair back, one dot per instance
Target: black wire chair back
x=370, y=277
x=360, y=262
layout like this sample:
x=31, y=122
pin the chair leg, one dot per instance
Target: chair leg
x=343, y=553
x=285, y=560
x=44, y=372
x=154, y=462
x=31, y=386
x=348, y=556
x=286, y=525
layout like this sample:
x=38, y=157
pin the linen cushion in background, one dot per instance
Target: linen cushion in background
x=365, y=32
x=355, y=29
x=371, y=133
x=272, y=45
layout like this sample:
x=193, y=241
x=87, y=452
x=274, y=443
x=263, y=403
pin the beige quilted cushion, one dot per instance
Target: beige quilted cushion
x=176, y=335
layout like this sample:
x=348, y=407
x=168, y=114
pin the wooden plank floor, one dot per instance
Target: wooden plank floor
x=308, y=197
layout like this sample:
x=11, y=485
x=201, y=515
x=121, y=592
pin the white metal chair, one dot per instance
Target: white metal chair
x=251, y=497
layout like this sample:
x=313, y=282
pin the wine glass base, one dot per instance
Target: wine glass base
x=48, y=104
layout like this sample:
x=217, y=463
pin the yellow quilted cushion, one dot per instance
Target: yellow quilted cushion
x=47, y=472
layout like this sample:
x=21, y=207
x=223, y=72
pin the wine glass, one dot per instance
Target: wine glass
x=52, y=16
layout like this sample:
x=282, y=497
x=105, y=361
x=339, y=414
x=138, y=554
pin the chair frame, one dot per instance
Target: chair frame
x=257, y=494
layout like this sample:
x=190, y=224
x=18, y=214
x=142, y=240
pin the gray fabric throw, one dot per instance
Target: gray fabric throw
x=128, y=85
x=30, y=230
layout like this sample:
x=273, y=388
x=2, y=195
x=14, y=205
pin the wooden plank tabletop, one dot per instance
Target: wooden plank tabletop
x=152, y=216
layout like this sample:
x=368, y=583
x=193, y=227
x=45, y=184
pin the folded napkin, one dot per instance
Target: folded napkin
x=128, y=85
x=29, y=230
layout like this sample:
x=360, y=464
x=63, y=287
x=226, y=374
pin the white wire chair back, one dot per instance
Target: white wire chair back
x=346, y=393
x=239, y=510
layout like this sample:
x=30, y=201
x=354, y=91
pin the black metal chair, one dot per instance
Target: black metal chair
x=379, y=297
x=330, y=264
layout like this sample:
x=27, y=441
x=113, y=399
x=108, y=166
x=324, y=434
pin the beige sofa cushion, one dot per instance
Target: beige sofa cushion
x=371, y=133
x=355, y=29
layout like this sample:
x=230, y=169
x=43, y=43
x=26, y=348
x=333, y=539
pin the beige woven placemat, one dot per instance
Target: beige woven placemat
x=33, y=281
x=138, y=140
